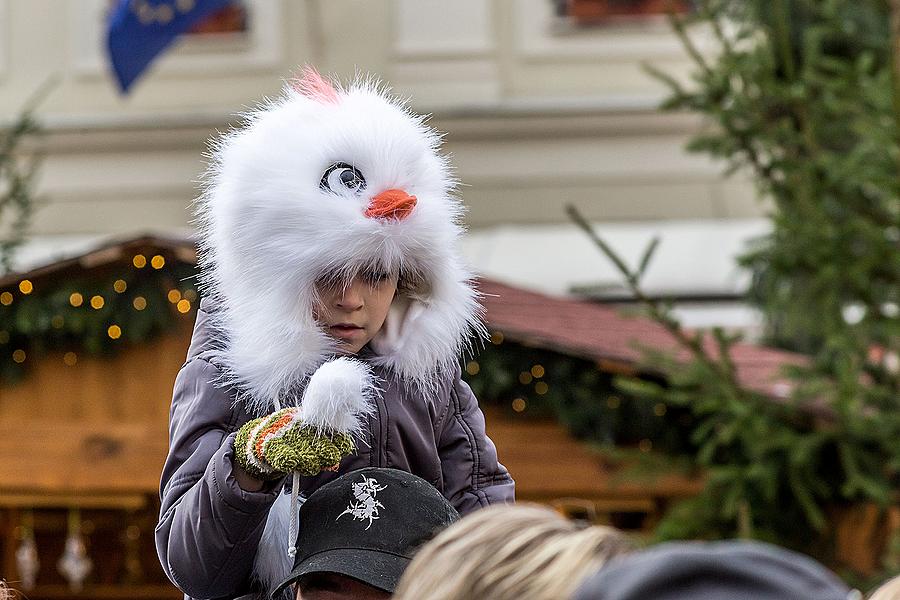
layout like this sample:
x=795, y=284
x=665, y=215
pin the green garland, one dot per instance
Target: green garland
x=95, y=312
x=529, y=382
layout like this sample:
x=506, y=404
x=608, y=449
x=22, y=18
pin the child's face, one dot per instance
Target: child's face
x=354, y=312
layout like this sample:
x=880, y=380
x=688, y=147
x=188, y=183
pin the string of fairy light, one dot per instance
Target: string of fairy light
x=533, y=374
x=540, y=383
x=146, y=293
x=46, y=315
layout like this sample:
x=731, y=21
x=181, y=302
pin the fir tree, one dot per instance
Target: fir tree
x=804, y=94
x=18, y=167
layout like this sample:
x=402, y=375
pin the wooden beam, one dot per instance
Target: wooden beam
x=86, y=501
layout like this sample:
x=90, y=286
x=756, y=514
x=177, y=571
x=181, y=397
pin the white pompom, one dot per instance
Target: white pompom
x=338, y=396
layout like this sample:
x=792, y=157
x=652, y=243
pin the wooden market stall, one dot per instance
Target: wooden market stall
x=83, y=435
x=86, y=386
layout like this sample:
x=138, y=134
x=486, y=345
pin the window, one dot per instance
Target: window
x=601, y=12
x=228, y=20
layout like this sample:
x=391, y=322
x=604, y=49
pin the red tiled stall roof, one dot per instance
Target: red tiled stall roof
x=603, y=334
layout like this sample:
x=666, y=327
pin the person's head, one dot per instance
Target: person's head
x=335, y=586
x=359, y=532
x=714, y=571
x=507, y=553
x=890, y=590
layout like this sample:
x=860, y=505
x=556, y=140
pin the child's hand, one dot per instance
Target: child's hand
x=314, y=436
x=270, y=447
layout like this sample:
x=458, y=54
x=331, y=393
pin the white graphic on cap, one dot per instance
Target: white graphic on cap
x=365, y=506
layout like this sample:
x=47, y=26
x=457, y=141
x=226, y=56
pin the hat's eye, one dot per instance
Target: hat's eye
x=340, y=177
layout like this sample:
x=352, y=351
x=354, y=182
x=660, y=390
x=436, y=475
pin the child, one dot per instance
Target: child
x=331, y=271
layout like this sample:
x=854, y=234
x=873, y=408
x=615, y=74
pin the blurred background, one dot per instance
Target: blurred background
x=601, y=397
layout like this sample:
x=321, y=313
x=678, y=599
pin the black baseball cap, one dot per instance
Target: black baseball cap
x=729, y=570
x=368, y=524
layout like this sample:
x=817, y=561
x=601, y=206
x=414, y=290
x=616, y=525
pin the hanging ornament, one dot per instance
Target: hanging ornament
x=74, y=563
x=134, y=570
x=27, y=563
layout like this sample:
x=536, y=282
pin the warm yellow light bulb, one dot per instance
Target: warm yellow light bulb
x=139, y=261
x=97, y=302
x=183, y=306
x=472, y=367
x=157, y=262
x=6, y=298
x=519, y=405
x=139, y=303
x=537, y=371
x=120, y=285
x=114, y=332
x=19, y=356
x=26, y=287
x=174, y=296
x=76, y=299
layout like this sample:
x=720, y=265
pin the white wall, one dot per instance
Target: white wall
x=537, y=114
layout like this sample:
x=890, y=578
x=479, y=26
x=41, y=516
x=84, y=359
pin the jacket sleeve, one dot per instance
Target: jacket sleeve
x=473, y=477
x=209, y=527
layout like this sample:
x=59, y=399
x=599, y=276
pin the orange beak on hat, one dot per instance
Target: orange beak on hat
x=391, y=204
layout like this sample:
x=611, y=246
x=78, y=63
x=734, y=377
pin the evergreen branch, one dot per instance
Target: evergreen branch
x=17, y=175
x=647, y=257
x=783, y=39
x=678, y=26
x=762, y=169
x=723, y=343
x=895, y=68
x=714, y=21
x=658, y=312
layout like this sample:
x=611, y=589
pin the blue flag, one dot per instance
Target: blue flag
x=138, y=30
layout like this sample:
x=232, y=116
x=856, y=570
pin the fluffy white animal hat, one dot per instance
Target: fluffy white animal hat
x=329, y=180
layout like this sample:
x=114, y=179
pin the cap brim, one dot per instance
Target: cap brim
x=378, y=569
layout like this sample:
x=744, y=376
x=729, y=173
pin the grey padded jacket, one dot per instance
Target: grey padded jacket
x=209, y=528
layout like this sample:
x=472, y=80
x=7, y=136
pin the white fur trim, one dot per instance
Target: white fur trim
x=272, y=564
x=268, y=231
x=339, y=394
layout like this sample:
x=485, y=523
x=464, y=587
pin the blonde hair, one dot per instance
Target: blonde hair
x=6, y=592
x=889, y=590
x=508, y=553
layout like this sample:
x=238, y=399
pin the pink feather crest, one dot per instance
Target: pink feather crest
x=315, y=87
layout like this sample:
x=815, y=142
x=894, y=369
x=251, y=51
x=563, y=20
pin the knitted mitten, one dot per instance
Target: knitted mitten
x=314, y=436
x=280, y=443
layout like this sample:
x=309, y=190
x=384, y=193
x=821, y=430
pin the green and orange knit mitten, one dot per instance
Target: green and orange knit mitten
x=314, y=436
x=280, y=443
